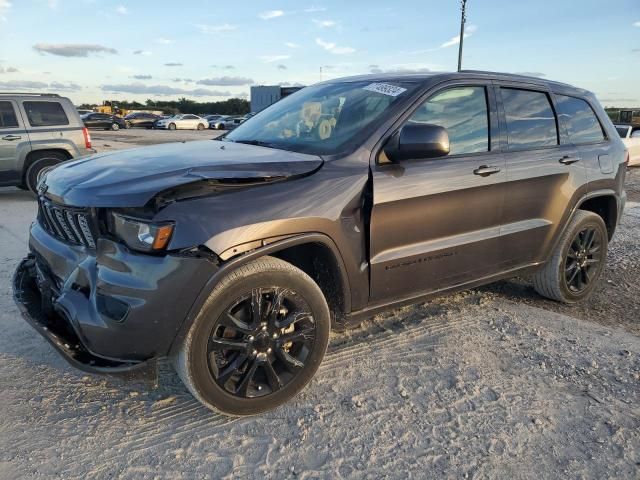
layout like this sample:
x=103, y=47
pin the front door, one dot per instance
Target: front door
x=436, y=222
x=12, y=135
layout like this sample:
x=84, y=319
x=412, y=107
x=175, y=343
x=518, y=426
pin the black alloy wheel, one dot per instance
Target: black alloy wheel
x=583, y=259
x=257, y=340
x=261, y=342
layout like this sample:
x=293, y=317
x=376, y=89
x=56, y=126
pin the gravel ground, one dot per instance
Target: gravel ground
x=490, y=383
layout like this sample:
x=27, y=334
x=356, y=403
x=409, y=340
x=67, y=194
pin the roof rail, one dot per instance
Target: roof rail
x=31, y=94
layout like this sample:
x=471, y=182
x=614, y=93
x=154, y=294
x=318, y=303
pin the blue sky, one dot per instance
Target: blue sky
x=91, y=50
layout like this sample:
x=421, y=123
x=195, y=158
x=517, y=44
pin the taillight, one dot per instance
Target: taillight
x=87, y=137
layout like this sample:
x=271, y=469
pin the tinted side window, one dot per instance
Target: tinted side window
x=582, y=124
x=43, y=114
x=463, y=112
x=531, y=122
x=8, y=117
x=622, y=131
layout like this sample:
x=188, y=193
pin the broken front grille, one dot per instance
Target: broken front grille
x=70, y=224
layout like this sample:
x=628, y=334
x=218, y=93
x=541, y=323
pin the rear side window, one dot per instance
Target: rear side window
x=8, y=117
x=531, y=122
x=463, y=112
x=581, y=122
x=45, y=114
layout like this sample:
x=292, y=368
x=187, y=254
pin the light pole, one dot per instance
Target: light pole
x=463, y=20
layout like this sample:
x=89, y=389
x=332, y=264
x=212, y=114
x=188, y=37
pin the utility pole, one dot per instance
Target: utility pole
x=463, y=20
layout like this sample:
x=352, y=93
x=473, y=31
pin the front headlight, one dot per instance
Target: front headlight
x=142, y=235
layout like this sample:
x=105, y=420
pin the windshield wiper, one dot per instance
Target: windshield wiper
x=258, y=143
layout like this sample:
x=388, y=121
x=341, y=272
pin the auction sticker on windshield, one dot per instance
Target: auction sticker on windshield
x=385, y=89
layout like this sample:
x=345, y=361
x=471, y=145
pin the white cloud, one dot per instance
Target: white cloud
x=208, y=29
x=468, y=31
x=271, y=14
x=325, y=23
x=164, y=41
x=52, y=4
x=122, y=10
x=333, y=48
x=225, y=81
x=292, y=45
x=314, y=9
x=274, y=58
x=635, y=24
x=5, y=5
x=142, y=52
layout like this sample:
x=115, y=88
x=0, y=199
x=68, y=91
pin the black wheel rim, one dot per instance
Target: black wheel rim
x=583, y=259
x=261, y=342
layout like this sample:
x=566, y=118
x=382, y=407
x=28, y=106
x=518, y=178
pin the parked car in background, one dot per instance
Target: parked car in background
x=235, y=258
x=232, y=122
x=216, y=122
x=37, y=131
x=630, y=134
x=141, y=119
x=103, y=121
x=83, y=111
x=186, y=121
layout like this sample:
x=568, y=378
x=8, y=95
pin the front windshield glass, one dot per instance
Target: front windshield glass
x=323, y=119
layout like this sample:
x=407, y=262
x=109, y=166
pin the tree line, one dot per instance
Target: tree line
x=232, y=106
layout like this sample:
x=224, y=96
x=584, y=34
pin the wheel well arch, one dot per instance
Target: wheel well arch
x=319, y=261
x=34, y=155
x=606, y=207
x=305, y=251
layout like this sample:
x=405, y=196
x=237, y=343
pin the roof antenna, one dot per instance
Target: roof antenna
x=463, y=20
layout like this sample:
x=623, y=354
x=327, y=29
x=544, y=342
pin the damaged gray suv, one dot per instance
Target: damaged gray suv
x=235, y=257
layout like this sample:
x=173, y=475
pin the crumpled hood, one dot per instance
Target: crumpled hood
x=130, y=178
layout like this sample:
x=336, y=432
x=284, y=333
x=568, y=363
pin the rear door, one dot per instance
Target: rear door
x=436, y=222
x=544, y=173
x=13, y=138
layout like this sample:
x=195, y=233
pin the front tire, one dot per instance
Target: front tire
x=115, y=127
x=200, y=126
x=577, y=263
x=172, y=126
x=258, y=339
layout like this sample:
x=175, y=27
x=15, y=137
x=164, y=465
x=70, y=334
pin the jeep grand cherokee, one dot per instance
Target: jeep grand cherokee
x=235, y=257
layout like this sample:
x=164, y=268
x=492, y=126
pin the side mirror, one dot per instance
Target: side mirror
x=416, y=141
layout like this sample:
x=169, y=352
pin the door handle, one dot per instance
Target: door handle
x=11, y=137
x=486, y=170
x=568, y=160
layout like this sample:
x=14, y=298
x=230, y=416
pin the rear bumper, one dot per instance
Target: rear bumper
x=107, y=311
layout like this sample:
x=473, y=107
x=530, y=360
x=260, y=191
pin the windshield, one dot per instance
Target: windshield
x=323, y=119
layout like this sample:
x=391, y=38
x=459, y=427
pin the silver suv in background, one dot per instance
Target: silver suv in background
x=37, y=131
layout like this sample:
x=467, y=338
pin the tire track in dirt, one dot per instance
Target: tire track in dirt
x=190, y=419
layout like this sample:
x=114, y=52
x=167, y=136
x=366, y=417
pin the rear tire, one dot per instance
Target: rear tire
x=577, y=263
x=239, y=362
x=40, y=162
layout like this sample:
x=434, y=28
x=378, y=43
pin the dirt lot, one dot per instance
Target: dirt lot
x=490, y=383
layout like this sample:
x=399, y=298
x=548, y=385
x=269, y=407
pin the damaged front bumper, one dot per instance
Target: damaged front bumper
x=110, y=310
